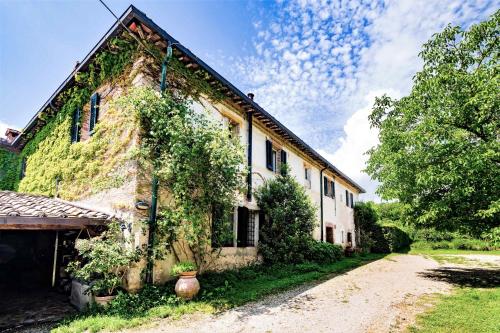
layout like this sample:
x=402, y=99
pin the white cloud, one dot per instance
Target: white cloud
x=327, y=60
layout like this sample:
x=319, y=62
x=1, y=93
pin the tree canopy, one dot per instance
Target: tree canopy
x=439, y=146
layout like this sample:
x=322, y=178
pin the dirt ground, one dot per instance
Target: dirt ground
x=383, y=296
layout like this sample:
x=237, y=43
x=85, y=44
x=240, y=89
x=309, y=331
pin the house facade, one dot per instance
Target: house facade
x=80, y=147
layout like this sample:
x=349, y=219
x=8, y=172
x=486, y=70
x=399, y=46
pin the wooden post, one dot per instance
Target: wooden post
x=55, y=260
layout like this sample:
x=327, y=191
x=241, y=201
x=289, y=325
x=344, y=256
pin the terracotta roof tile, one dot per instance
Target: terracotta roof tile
x=30, y=205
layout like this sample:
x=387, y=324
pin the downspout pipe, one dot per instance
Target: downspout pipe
x=321, y=200
x=155, y=182
x=249, y=152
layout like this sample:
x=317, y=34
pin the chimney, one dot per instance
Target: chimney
x=251, y=96
x=11, y=134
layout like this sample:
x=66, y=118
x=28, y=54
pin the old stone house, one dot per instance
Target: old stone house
x=54, y=155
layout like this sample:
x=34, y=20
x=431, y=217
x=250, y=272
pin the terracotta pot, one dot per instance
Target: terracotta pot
x=187, y=286
x=103, y=300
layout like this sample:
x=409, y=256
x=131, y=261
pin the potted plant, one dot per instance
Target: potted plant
x=187, y=286
x=104, y=261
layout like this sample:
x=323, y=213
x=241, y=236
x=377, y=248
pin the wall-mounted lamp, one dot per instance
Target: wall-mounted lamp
x=141, y=205
x=127, y=226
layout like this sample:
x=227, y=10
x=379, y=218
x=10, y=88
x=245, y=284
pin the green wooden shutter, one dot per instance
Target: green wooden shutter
x=333, y=189
x=283, y=159
x=352, y=201
x=94, y=111
x=346, y=198
x=269, y=155
x=75, y=126
x=325, y=186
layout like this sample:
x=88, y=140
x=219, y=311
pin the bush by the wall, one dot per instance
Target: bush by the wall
x=290, y=219
x=323, y=252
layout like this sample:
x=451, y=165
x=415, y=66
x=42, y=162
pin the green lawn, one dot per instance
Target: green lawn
x=466, y=310
x=219, y=291
x=426, y=251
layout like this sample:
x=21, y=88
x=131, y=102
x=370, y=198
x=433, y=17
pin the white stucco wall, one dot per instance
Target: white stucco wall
x=335, y=211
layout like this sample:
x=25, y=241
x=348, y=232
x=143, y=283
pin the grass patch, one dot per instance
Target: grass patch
x=220, y=291
x=428, y=251
x=467, y=310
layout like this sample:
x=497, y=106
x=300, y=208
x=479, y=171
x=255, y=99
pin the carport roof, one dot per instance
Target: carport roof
x=28, y=211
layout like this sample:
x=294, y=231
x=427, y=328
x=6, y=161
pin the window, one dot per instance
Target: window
x=94, y=112
x=307, y=176
x=283, y=158
x=275, y=160
x=246, y=227
x=234, y=128
x=352, y=200
x=329, y=187
x=342, y=236
x=346, y=198
x=329, y=235
x=269, y=155
x=349, y=238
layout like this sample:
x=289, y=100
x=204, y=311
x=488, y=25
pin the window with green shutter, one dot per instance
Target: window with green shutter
x=346, y=198
x=269, y=155
x=283, y=158
x=94, y=112
x=75, y=126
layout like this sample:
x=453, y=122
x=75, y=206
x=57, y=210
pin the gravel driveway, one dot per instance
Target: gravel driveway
x=377, y=297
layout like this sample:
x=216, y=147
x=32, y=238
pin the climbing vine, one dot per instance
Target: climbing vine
x=8, y=169
x=84, y=167
x=197, y=160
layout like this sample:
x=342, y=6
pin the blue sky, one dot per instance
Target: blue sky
x=315, y=65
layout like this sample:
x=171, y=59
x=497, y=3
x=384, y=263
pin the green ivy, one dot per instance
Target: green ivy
x=196, y=160
x=80, y=166
x=9, y=169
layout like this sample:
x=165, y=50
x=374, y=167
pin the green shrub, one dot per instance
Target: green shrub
x=104, y=260
x=397, y=239
x=461, y=243
x=493, y=237
x=286, y=233
x=433, y=235
x=441, y=245
x=319, y=252
x=389, y=238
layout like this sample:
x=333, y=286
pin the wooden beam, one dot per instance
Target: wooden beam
x=46, y=223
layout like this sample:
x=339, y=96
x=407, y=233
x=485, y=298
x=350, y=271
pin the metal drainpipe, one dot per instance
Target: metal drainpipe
x=321, y=200
x=155, y=182
x=250, y=130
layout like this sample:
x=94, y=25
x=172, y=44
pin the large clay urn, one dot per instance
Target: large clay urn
x=187, y=286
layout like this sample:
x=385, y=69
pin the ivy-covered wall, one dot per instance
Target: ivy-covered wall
x=80, y=168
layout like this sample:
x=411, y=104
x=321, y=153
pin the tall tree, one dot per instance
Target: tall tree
x=439, y=146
